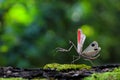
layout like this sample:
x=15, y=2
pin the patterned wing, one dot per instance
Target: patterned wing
x=80, y=40
x=92, y=50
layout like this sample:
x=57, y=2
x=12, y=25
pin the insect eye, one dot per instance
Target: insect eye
x=95, y=49
x=92, y=45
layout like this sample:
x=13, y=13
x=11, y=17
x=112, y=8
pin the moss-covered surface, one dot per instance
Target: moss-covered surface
x=22, y=79
x=113, y=75
x=62, y=71
x=60, y=67
x=12, y=79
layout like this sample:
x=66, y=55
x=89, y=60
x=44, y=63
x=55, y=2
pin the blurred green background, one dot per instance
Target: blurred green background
x=30, y=30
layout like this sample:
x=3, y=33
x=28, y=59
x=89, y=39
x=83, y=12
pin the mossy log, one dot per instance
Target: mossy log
x=61, y=71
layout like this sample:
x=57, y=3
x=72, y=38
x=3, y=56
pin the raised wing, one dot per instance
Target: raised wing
x=80, y=40
x=92, y=50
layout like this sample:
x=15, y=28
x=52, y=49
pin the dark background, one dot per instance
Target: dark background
x=30, y=30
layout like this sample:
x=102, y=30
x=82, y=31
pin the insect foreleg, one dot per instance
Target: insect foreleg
x=66, y=50
x=63, y=50
x=73, y=45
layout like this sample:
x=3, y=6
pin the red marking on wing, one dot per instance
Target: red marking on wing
x=79, y=36
x=80, y=40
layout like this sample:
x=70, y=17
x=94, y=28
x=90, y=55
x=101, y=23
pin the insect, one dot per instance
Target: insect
x=90, y=53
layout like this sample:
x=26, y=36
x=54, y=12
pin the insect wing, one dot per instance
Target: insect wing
x=92, y=50
x=80, y=40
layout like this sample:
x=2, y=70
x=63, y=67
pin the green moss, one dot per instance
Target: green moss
x=60, y=67
x=113, y=75
x=22, y=79
x=116, y=70
x=12, y=79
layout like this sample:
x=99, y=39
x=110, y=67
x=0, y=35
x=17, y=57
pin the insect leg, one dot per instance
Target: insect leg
x=95, y=57
x=90, y=58
x=90, y=61
x=78, y=57
x=63, y=50
x=73, y=45
x=66, y=50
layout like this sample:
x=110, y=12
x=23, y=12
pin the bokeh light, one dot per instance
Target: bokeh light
x=31, y=30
